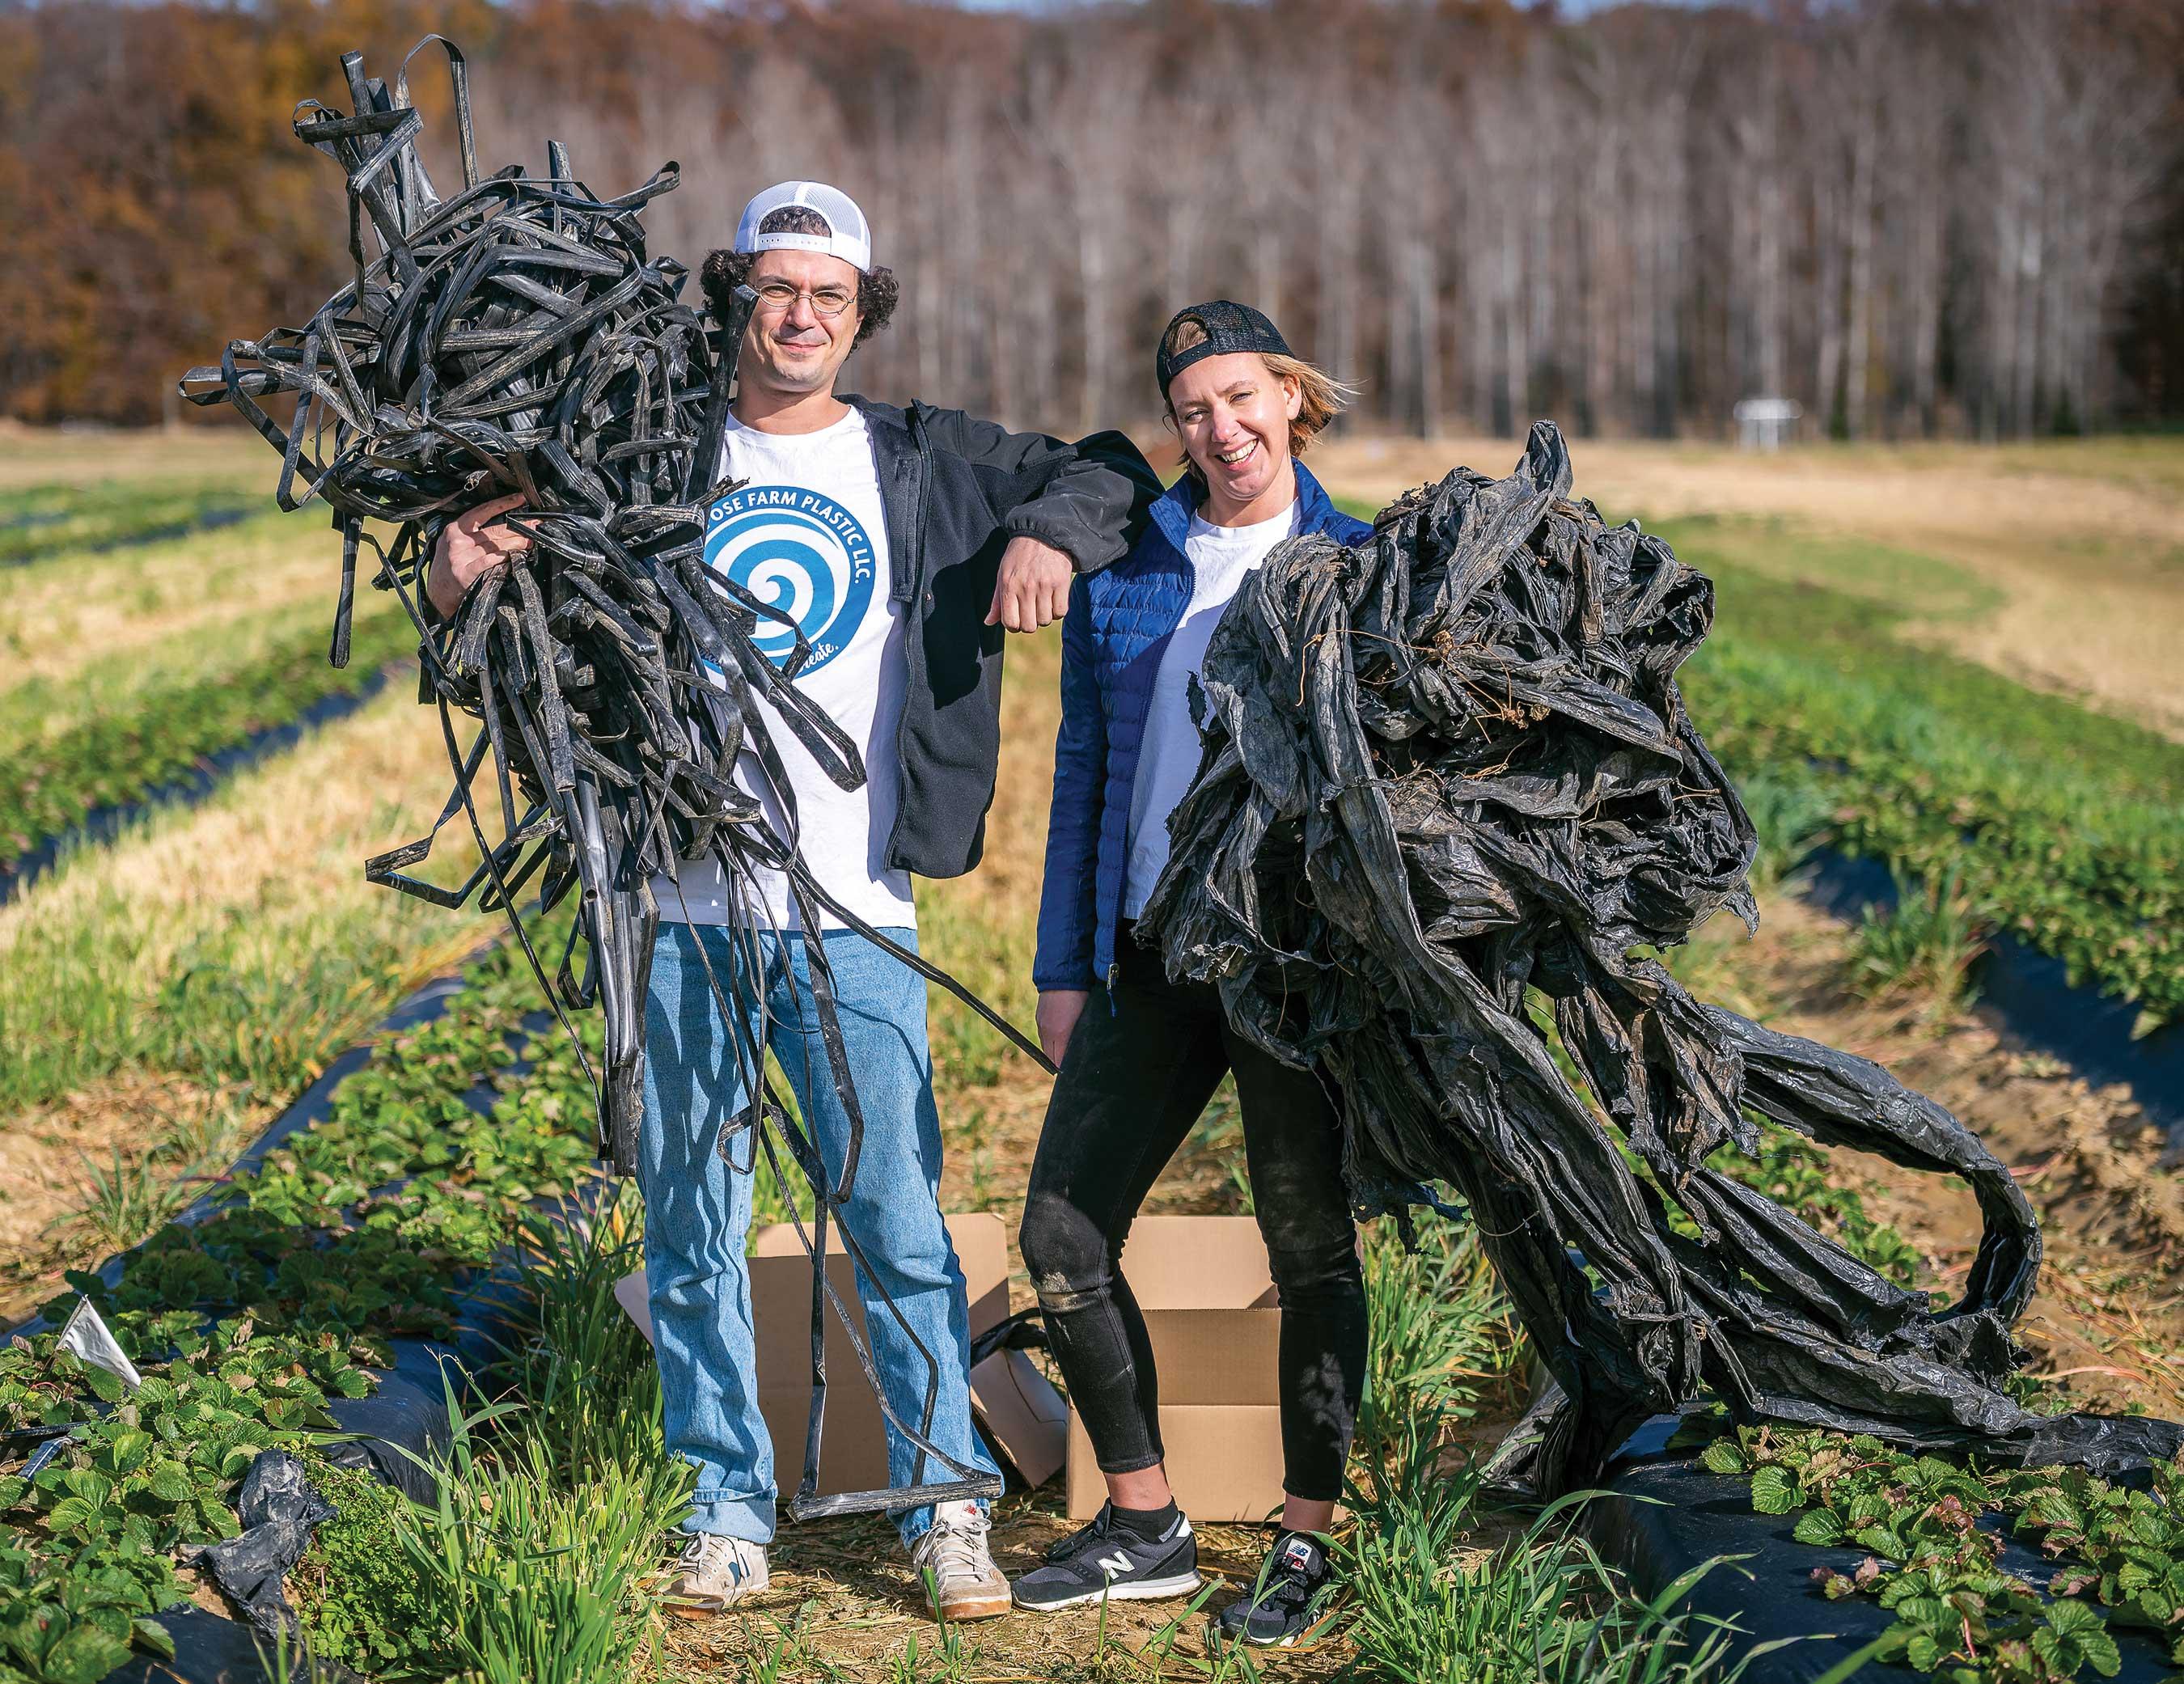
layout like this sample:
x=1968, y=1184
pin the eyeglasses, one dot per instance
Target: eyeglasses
x=828, y=301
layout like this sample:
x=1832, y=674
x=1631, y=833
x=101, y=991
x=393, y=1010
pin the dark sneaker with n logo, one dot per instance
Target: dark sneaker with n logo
x=1113, y=1557
x=1284, y=1601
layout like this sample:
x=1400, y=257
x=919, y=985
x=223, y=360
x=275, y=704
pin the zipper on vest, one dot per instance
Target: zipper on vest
x=914, y=611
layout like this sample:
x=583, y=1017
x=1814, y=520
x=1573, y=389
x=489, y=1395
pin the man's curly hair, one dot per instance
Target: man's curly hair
x=724, y=271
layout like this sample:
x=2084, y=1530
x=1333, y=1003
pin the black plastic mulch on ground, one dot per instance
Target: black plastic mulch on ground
x=211, y=1650
x=2031, y=993
x=1451, y=767
x=211, y=772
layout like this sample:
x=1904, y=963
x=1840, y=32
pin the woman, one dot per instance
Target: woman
x=1140, y=1056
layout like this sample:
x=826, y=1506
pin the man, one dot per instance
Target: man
x=901, y=540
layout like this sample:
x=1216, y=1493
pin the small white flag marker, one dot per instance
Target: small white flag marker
x=87, y=1334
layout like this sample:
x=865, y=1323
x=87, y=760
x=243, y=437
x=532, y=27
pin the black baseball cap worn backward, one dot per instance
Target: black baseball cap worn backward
x=1229, y=328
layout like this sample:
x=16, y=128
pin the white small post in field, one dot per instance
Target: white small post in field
x=1763, y=423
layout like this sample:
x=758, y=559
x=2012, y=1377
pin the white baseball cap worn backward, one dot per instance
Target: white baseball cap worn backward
x=850, y=236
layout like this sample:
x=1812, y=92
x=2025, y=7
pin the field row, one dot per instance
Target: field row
x=36, y=522
x=2060, y=825
x=128, y=724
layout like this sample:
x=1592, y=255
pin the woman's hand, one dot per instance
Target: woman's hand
x=1059, y=1009
x=467, y=548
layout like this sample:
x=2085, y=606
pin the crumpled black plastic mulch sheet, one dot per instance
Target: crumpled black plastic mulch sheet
x=518, y=338
x=279, y=1510
x=1452, y=765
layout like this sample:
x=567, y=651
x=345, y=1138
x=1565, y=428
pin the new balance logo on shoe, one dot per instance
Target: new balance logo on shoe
x=1107, y=1560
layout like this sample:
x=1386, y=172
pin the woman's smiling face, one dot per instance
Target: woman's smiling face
x=1232, y=416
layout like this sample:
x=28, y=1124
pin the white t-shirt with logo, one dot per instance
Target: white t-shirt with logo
x=1168, y=759
x=806, y=533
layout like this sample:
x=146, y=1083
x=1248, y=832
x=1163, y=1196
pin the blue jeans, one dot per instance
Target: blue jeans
x=698, y=1208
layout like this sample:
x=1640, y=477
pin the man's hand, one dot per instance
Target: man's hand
x=467, y=548
x=1034, y=588
x=1059, y=1009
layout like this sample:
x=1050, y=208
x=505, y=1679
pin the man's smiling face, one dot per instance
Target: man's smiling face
x=792, y=348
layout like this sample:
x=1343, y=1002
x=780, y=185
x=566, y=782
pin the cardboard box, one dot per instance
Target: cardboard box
x=1021, y=1414
x=1208, y=1292
x=853, y=1450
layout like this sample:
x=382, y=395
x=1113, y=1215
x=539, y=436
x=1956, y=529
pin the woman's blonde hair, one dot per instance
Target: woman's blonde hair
x=1324, y=396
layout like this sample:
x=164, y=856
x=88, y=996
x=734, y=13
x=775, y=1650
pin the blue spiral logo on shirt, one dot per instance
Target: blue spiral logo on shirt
x=801, y=553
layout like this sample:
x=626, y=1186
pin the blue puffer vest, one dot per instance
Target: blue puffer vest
x=1118, y=629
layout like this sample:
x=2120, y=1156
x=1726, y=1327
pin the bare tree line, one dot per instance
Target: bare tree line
x=1912, y=216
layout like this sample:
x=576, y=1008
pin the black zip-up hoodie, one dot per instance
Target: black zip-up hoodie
x=954, y=490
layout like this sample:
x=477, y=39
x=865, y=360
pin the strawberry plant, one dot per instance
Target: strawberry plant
x=1933, y=1550
x=246, y=1326
x=2124, y=1548
x=140, y=1477
x=73, y=1623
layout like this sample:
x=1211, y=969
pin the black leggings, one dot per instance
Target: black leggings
x=1135, y=1079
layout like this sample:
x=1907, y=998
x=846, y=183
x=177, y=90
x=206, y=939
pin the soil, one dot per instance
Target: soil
x=47, y=1155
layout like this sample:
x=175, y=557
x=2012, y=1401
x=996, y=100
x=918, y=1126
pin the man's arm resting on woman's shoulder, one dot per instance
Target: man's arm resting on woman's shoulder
x=1077, y=503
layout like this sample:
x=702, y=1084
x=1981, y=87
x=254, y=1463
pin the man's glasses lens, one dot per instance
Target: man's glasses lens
x=776, y=295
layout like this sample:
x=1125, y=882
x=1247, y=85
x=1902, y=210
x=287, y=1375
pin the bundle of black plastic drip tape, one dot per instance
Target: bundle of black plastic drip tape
x=1452, y=765
x=517, y=338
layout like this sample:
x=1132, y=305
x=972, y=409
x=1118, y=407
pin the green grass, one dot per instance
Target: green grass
x=1899, y=582
x=1924, y=947
x=1446, y=1343
x=1842, y=637
x=261, y=1005
x=124, y=726
x=57, y=520
x=127, y=1201
x=2066, y=825
x=235, y=943
x=1541, y=1609
x=531, y=1576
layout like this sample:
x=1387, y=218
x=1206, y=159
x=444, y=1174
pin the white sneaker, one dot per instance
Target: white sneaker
x=964, y=1582
x=713, y=1571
